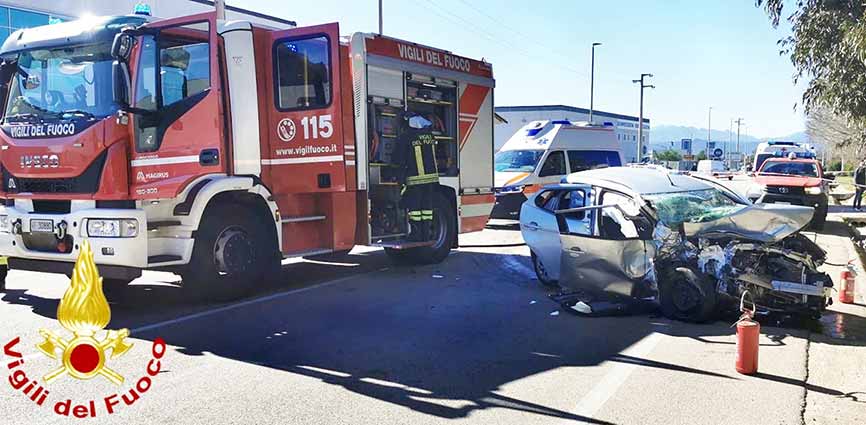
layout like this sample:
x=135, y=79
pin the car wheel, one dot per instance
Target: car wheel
x=685, y=295
x=542, y=273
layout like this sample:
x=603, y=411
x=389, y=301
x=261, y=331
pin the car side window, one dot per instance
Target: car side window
x=554, y=165
x=543, y=198
x=551, y=203
x=574, y=223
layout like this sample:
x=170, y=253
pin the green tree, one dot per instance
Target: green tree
x=827, y=45
x=668, y=155
x=702, y=155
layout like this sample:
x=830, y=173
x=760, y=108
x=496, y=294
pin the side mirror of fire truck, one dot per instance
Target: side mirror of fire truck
x=121, y=48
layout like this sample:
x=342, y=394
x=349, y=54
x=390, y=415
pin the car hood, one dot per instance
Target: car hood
x=509, y=178
x=794, y=181
x=766, y=223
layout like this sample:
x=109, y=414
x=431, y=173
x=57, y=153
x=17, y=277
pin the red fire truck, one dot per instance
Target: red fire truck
x=216, y=148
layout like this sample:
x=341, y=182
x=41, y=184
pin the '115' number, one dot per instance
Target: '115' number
x=317, y=126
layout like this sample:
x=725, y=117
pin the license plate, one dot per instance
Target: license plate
x=42, y=226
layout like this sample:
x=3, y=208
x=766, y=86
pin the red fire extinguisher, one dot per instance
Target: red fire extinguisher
x=748, y=332
x=846, y=293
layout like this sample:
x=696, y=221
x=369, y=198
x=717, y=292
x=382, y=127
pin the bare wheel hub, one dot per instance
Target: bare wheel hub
x=685, y=296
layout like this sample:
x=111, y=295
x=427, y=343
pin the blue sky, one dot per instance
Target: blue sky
x=719, y=53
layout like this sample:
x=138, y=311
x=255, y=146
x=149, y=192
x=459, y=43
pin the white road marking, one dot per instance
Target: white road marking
x=595, y=399
x=238, y=305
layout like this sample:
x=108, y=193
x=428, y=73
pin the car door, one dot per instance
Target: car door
x=540, y=231
x=610, y=256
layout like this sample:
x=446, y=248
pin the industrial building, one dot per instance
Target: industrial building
x=626, y=127
x=16, y=14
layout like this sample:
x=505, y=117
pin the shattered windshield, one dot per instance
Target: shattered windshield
x=524, y=161
x=63, y=83
x=698, y=206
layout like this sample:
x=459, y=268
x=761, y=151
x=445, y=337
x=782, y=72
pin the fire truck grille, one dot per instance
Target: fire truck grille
x=86, y=182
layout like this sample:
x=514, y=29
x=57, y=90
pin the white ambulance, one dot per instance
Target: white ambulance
x=542, y=153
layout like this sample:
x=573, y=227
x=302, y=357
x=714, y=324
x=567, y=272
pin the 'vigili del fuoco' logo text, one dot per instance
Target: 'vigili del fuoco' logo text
x=86, y=354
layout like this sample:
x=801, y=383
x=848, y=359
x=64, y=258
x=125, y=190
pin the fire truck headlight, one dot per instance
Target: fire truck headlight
x=4, y=223
x=814, y=190
x=112, y=228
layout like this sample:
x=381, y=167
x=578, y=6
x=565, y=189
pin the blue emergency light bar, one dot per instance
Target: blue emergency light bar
x=784, y=154
x=142, y=8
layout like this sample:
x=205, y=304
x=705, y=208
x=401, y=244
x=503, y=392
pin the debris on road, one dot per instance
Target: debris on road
x=554, y=313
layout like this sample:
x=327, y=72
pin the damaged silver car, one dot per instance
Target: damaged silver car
x=620, y=235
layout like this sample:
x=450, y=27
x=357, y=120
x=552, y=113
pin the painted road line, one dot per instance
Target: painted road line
x=235, y=306
x=610, y=383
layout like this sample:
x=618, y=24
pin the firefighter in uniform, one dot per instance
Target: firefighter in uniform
x=415, y=156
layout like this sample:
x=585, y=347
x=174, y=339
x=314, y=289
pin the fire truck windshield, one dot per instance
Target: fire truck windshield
x=67, y=83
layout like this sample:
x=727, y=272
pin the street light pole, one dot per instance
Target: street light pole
x=709, y=126
x=380, y=17
x=640, y=117
x=591, y=81
x=739, y=123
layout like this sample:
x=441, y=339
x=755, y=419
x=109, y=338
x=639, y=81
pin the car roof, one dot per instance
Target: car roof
x=639, y=180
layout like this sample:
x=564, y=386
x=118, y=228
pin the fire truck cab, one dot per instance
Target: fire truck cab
x=214, y=149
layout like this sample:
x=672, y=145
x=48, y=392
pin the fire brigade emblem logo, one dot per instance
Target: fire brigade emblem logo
x=286, y=129
x=84, y=312
x=140, y=176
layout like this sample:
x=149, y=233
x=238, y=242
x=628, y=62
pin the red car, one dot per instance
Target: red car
x=793, y=181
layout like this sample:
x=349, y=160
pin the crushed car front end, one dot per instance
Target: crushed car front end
x=709, y=245
x=743, y=248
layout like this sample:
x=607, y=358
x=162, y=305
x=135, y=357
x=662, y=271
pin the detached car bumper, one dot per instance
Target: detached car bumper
x=52, y=242
x=507, y=206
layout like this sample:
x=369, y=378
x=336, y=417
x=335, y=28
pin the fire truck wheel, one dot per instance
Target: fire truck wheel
x=445, y=229
x=230, y=254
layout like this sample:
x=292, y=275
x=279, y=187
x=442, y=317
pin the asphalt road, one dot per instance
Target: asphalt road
x=356, y=340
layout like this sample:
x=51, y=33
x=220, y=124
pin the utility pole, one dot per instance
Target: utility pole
x=640, y=117
x=591, y=81
x=730, y=142
x=380, y=17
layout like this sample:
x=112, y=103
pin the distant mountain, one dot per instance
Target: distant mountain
x=661, y=137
